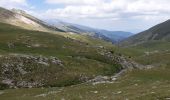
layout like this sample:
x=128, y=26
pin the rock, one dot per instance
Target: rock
x=1, y=92
x=28, y=46
x=41, y=95
x=36, y=45
x=56, y=61
x=149, y=67
x=10, y=45
x=27, y=84
x=43, y=63
x=100, y=79
x=94, y=92
x=136, y=84
x=8, y=82
x=114, y=78
x=119, y=92
x=21, y=70
x=128, y=64
x=120, y=59
x=152, y=92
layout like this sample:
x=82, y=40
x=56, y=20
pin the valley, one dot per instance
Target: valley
x=40, y=61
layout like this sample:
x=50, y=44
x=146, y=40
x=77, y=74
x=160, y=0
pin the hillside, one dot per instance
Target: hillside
x=22, y=19
x=160, y=32
x=39, y=61
x=150, y=47
x=35, y=59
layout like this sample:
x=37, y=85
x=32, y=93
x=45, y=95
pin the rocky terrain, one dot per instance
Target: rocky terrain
x=16, y=70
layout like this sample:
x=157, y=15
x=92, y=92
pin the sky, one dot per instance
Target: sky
x=116, y=15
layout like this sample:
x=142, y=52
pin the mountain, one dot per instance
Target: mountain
x=112, y=36
x=115, y=35
x=53, y=63
x=22, y=19
x=160, y=32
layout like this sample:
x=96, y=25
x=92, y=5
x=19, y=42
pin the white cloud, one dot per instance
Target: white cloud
x=13, y=3
x=149, y=5
x=108, y=8
x=100, y=12
x=80, y=12
x=76, y=2
x=82, y=9
x=111, y=13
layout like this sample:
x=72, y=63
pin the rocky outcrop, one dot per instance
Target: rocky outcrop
x=126, y=64
x=18, y=70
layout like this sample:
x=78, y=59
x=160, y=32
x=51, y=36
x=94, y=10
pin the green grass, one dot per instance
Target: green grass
x=87, y=39
x=159, y=53
x=136, y=85
x=79, y=57
x=83, y=58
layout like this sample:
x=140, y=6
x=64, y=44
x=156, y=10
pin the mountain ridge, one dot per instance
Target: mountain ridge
x=22, y=19
x=159, y=32
x=112, y=36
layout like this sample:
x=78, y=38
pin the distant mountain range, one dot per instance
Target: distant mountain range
x=22, y=19
x=113, y=36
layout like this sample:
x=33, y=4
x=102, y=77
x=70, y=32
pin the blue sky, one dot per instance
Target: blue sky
x=42, y=5
x=116, y=15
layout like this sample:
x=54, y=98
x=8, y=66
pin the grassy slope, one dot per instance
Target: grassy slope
x=135, y=85
x=88, y=39
x=158, y=52
x=79, y=58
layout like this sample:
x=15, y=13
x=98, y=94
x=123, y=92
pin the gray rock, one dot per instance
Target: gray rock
x=8, y=82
